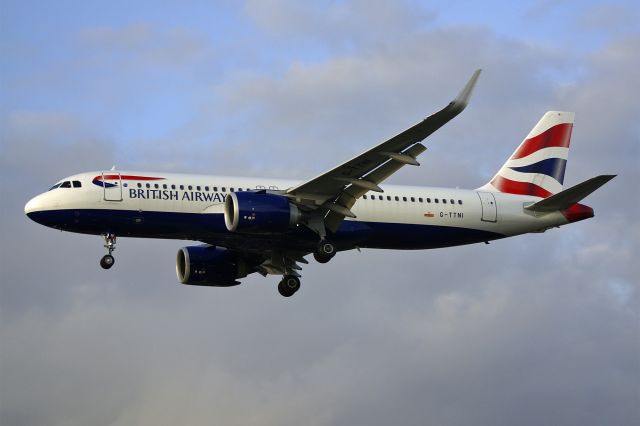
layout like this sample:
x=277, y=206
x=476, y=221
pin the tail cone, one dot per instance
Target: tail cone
x=578, y=212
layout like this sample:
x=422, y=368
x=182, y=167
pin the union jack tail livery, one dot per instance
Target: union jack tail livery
x=537, y=166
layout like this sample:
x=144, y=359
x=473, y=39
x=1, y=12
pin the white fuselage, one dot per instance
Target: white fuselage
x=132, y=205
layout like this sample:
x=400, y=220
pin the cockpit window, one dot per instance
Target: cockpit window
x=77, y=184
x=55, y=186
x=65, y=184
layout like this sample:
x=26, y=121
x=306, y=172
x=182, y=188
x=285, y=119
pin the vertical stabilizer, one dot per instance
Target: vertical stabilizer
x=537, y=166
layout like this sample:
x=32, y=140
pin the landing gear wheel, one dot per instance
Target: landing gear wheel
x=321, y=258
x=325, y=251
x=107, y=261
x=289, y=285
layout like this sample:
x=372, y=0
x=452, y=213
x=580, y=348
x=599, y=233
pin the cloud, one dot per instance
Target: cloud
x=143, y=43
x=541, y=328
x=341, y=24
x=609, y=18
x=49, y=142
x=354, y=100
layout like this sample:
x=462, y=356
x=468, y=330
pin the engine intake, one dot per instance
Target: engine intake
x=210, y=266
x=259, y=213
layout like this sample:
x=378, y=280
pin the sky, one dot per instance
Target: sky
x=536, y=329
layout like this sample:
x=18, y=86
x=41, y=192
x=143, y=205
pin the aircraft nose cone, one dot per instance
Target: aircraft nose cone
x=32, y=205
x=35, y=208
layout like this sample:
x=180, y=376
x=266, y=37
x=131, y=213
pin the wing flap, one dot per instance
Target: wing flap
x=350, y=195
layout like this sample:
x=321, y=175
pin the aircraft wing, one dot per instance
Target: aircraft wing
x=337, y=190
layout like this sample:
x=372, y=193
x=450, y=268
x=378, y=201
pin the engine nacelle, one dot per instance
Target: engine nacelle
x=210, y=266
x=259, y=213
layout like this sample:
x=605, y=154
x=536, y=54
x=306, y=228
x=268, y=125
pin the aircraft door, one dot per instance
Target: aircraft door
x=489, y=207
x=112, y=186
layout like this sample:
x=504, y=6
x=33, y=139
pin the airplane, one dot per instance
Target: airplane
x=268, y=226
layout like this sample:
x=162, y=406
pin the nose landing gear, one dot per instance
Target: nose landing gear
x=107, y=260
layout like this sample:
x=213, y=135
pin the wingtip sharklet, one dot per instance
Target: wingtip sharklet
x=462, y=100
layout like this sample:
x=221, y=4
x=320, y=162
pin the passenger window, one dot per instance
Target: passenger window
x=173, y=187
x=231, y=189
x=182, y=187
x=460, y=202
x=224, y=189
x=388, y=198
x=139, y=185
x=397, y=198
x=435, y=200
x=413, y=200
x=215, y=189
x=364, y=197
x=428, y=200
x=420, y=199
x=206, y=188
x=190, y=187
x=65, y=184
x=148, y=185
x=77, y=184
x=155, y=185
x=452, y=202
x=198, y=188
x=164, y=186
x=404, y=199
x=444, y=201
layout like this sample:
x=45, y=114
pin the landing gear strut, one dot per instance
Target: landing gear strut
x=107, y=260
x=325, y=251
x=289, y=285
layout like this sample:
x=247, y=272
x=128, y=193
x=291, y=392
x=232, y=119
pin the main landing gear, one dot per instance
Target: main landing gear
x=289, y=285
x=325, y=251
x=290, y=282
x=107, y=260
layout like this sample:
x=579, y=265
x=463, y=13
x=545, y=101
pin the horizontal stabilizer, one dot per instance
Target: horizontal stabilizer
x=565, y=199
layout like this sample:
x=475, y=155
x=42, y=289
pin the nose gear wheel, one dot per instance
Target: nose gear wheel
x=108, y=260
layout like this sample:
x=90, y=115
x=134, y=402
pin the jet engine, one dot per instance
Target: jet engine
x=210, y=266
x=259, y=213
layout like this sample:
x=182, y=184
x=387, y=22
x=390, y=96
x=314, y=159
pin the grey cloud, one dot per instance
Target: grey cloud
x=390, y=347
x=538, y=329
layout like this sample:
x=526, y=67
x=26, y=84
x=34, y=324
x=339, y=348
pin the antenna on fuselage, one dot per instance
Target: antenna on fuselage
x=113, y=167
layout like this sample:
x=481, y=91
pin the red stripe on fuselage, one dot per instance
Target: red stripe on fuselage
x=127, y=177
x=557, y=136
x=520, y=188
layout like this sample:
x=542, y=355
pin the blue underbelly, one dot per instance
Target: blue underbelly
x=210, y=228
